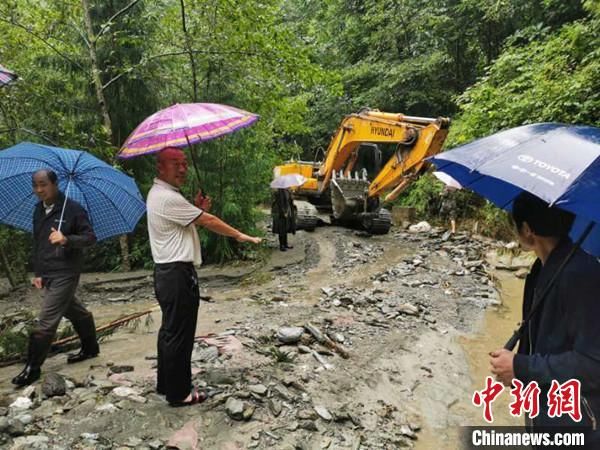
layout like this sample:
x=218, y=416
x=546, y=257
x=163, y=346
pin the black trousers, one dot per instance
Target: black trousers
x=283, y=239
x=178, y=294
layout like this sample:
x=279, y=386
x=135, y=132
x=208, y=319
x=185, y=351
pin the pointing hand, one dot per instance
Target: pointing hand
x=245, y=238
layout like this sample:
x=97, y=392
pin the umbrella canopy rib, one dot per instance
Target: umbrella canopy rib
x=111, y=201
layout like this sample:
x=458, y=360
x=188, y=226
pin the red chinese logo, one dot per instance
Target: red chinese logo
x=527, y=399
x=487, y=396
x=564, y=399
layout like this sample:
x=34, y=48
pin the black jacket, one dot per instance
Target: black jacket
x=51, y=259
x=562, y=341
x=283, y=211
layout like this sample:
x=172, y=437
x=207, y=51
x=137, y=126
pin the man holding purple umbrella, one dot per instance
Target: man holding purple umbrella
x=175, y=246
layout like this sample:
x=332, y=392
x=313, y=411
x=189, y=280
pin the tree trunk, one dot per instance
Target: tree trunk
x=125, y=260
x=188, y=48
x=3, y=256
x=7, y=269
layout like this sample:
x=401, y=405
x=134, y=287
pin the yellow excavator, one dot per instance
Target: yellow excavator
x=335, y=185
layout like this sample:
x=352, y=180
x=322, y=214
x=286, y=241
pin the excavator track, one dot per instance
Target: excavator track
x=380, y=224
x=306, y=216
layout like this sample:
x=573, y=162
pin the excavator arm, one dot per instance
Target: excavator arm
x=406, y=163
x=355, y=130
x=417, y=139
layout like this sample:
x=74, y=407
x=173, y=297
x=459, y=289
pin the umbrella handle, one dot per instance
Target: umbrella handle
x=62, y=213
x=512, y=342
x=193, y=154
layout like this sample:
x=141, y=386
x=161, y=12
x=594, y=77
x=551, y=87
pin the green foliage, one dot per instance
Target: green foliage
x=494, y=222
x=552, y=79
x=556, y=79
x=423, y=195
x=13, y=342
x=301, y=65
x=243, y=54
x=15, y=245
x=279, y=356
x=593, y=6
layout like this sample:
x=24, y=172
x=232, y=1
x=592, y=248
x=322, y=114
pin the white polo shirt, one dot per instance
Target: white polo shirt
x=173, y=235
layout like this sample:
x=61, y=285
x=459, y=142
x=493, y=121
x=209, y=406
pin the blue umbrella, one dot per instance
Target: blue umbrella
x=558, y=163
x=111, y=198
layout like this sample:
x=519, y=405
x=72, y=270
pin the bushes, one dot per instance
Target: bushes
x=16, y=246
x=552, y=78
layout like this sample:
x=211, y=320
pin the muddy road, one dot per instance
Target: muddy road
x=416, y=313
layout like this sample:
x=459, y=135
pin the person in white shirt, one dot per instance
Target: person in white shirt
x=175, y=249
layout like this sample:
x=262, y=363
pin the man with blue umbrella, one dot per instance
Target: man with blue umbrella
x=72, y=191
x=547, y=175
x=61, y=228
x=561, y=342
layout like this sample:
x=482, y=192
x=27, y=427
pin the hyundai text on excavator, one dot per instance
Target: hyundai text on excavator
x=350, y=196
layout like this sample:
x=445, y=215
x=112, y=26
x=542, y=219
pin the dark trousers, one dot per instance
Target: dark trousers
x=59, y=301
x=283, y=240
x=178, y=294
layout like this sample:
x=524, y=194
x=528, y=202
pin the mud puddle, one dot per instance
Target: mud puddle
x=497, y=326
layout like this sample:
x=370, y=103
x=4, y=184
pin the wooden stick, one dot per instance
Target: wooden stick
x=137, y=277
x=325, y=340
x=12, y=359
x=110, y=325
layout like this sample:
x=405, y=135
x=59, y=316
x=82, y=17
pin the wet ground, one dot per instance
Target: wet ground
x=417, y=313
x=496, y=327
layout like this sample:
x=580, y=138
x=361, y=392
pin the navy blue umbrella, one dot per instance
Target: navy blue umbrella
x=558, y=163
x=111, y=198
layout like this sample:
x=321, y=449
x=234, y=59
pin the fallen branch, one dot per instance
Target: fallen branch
x=126, y=279
x=10, y=360
x=326, y=341
x=109, y=326
x=15, y=358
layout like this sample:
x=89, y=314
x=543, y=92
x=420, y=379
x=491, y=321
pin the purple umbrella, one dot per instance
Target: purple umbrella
x=6, y=76
x=181, y=125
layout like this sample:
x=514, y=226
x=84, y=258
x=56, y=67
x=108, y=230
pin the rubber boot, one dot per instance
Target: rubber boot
x=39, y=344
x=86, y=329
